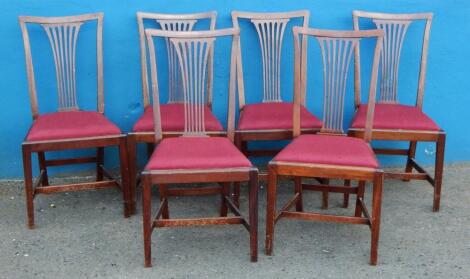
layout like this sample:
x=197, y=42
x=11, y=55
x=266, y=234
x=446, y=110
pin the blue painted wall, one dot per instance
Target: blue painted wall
x=447, y=96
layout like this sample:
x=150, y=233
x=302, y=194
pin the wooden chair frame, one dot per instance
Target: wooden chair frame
x=41, y=186
x=299, y=170
x=242, y=137
x=223, y=176
x=413, y=136
x=133, y=138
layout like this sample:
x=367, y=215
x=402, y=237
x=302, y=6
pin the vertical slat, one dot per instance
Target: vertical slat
x=193, y=57
x=395, y=31
x=63, y=41
x=271, y=35
x=336, y=57
x=175, y=91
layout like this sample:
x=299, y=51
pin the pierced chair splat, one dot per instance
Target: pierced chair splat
x=329, y=154
x=69, y=127
x=195, y=157
x=173, y=111
x=399, y=122
x=271, y=119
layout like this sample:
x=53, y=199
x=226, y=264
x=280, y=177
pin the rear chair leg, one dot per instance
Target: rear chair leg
x=253, y=212
x=150, y=148
x=224, y=192
x=325, y=195
x=298, y=190
x=411, y=155
x=270, y=211
x=131, y=154
x=147, y=219
x=123, y=162
x=438, y=171
x=360, y=195
x=162, y=189
x=99, y=163
x=236, y=185
x=43, y=167
x=28, y=185
x=347, y=183
x=236, y=194
x=376, y=211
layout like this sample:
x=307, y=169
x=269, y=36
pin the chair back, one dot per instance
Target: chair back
x=270, y=28
x=172, y=22
x=193, y=51
x=395, y=27
x=336, y=49
x=62, y=33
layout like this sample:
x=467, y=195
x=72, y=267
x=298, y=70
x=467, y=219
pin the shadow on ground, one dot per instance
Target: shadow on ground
x=84, y=234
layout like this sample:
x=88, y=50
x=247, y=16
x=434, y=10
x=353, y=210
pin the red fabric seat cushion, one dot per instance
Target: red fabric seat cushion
x=196, y=153
x=274, y=116
x=173, y=119
x=329, y=150
x=395, y=117
x=71, y=124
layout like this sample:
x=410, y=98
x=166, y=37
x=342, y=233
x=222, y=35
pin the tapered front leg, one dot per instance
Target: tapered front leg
x=28, y=185
x=270, y=210
x=253, y=211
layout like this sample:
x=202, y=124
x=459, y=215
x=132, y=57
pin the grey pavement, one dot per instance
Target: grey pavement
x=84, y=235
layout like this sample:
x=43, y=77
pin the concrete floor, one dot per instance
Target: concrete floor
x=83, y=235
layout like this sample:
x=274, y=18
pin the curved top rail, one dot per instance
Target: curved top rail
x=193, y=34
x=273, y=15
x=210, y=14
x=338, y=34
x=389, y=16
x=64, y=19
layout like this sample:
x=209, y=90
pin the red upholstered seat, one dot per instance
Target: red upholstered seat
x=71, y=124
x=173, y=119
x=396, y=117
x=274, y=116
x=196, y=153
x=329, y=150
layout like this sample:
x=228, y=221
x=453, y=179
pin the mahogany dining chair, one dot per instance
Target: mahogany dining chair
x=195, y=157
x=69, y=127
x=394, y=121
x=329, y=154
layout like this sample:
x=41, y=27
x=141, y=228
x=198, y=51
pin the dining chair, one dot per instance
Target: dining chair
x=68, y=127
x=195, y=157
x=394, y=121
x=271, y=118
x=329, y=154
x=172, y=112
